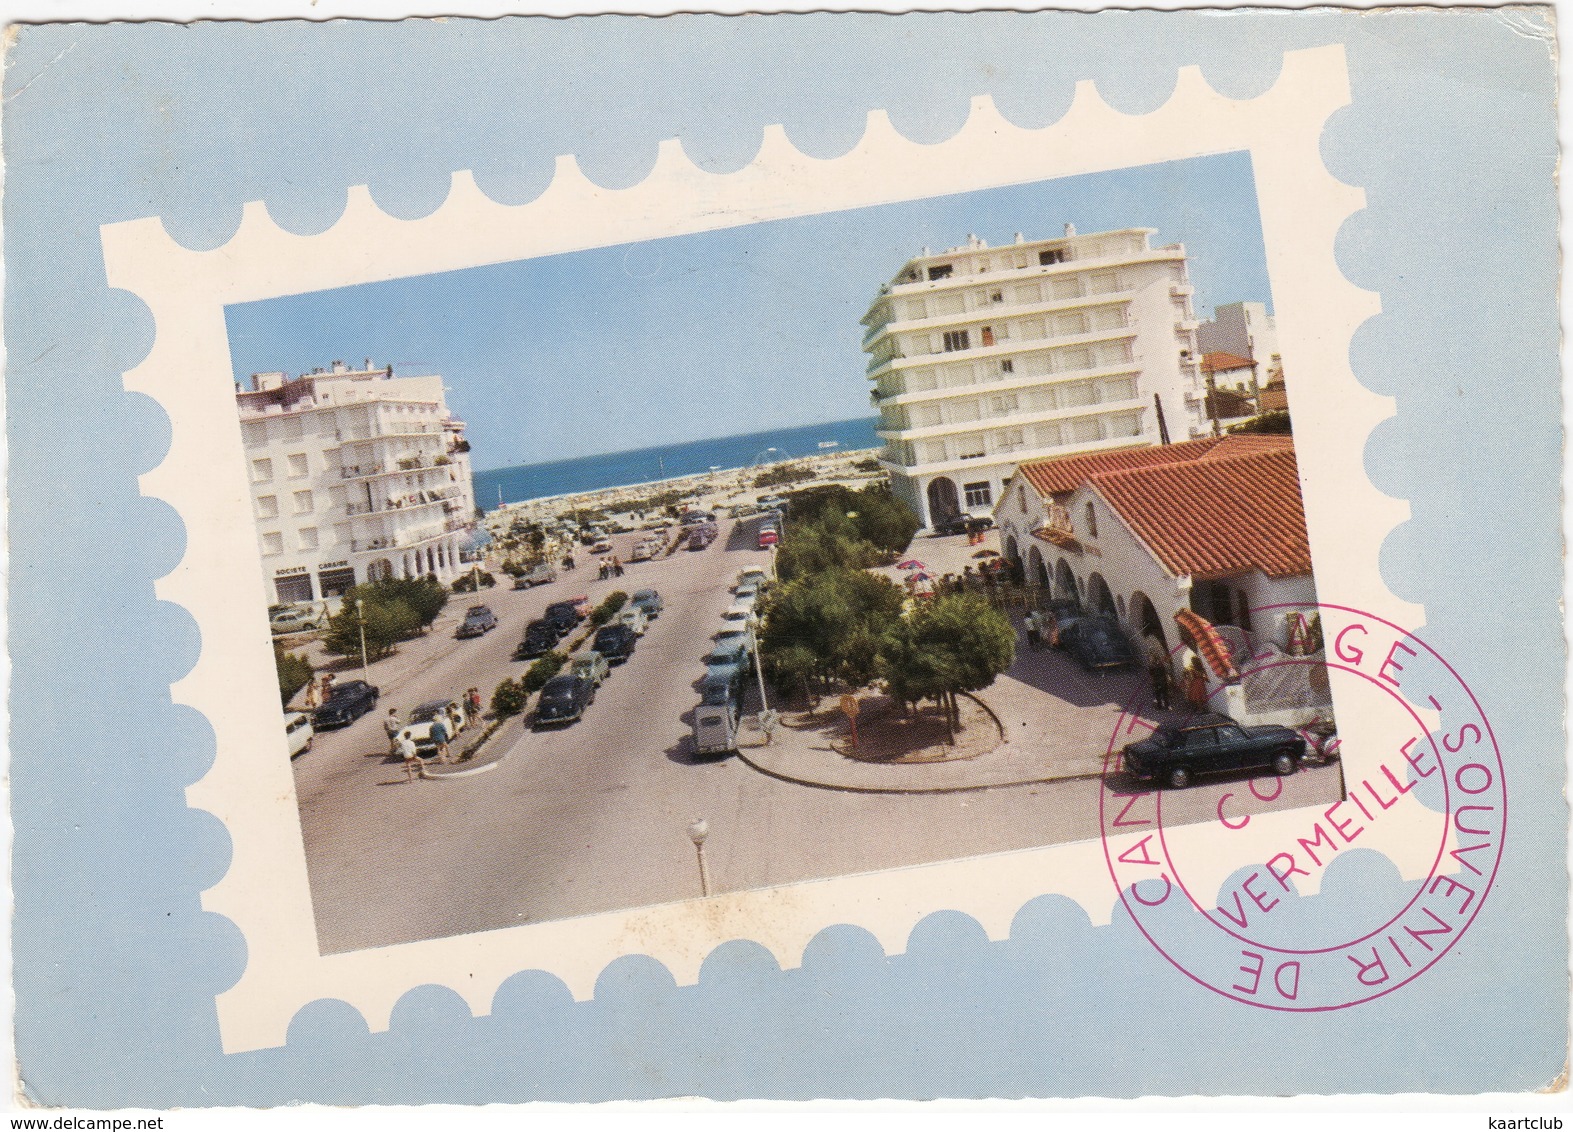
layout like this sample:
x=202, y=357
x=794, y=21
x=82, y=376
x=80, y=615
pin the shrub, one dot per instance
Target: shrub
x=609, y=607
x=541, y=671
x=465, y=583
x=868, y=465
x=509, y=699
x=294, y=673
x=784, y=474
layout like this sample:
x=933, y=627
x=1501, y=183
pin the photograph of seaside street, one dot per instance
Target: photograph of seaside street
x=801, y=549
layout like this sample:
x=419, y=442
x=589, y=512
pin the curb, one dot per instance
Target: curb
x=845, y=789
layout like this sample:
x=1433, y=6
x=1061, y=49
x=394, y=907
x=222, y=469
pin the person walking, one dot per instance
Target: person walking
x=439, y=736
x=617, y=567
x=1034, y=630
x=391, y=724
x=404, y=747
x=311, y=696
x=473, y=702
x=1195, y=686
x=1158, y=671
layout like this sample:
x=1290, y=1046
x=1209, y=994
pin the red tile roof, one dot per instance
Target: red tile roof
x=1067, y=473
x=1220, y=513
x=1219, y=360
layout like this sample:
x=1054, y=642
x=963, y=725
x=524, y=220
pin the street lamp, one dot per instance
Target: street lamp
x=360, y=616
x=698, y=830
x=767, y=718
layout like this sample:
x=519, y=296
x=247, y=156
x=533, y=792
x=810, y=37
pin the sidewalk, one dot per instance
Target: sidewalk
x=1056, y=721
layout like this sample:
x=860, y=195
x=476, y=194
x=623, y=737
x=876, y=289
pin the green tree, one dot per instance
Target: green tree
x=294, y=672
x=959, y=643
x=386, y=624
x=837, y=618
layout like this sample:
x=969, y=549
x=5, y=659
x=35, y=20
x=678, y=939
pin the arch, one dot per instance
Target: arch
x=944, y=503
x=1098, y=595
x=379, y=571
x=1037, y=572
x=1144, y=616
x=1013, y=551
x=1065, y=582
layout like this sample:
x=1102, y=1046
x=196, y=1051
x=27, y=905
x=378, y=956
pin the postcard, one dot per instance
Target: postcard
x=1048, y=547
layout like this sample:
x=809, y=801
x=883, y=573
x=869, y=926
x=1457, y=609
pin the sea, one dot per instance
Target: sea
x=669, y=461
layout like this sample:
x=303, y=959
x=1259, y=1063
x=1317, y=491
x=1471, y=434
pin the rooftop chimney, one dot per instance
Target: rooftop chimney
x=1020, y=239
x=1070, y=230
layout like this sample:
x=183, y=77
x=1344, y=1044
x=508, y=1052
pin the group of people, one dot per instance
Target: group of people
x=444, y=728
x=317, y=690
x=1043, y=628
x=611, y=568
x=1192, y=681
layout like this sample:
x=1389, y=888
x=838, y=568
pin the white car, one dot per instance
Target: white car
x=418, y=727
x=634, y=617
x=755, y=576
x=299, y=618
x=298, y=732
x=739, y=616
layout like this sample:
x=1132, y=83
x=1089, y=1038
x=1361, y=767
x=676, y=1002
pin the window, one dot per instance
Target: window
x=942, y=271
x=978, y=494
x=1052, y=256
x=1004, y=404
x=297, y=465
x=267, y=506
x=308, y=538
x=1021, y=496
x=1092, y=521
x=272, y=542
x=261, y=470
x=304, y=504
x=996, y=296
x=970, y=447
x=1007, y=366
x=957, y=340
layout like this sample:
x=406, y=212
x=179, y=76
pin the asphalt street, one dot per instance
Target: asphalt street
x=593, y=817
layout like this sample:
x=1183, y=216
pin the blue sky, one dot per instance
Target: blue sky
x=719, y=333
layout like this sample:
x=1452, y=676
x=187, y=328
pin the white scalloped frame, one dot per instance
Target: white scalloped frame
x=221, y=583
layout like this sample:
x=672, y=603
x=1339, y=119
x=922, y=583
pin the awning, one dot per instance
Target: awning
x=1201, y=636
x=1059, y=537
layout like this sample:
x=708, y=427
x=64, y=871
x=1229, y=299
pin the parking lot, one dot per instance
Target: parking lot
x=593, y=816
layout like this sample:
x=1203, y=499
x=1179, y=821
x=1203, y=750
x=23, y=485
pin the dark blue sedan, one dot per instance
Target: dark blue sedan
x=345, y=704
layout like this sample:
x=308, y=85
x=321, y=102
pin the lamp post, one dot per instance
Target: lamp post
x=698, y=830
x=360, y=616
x=767, y=718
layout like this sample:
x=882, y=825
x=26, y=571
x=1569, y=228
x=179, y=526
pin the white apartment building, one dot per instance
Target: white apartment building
x=355, y=475
x=982, y=358
x=1245, y=330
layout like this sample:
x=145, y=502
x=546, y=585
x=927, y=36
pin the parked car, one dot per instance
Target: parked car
x=634, y=617
x=751, y=576
x=740, y=614
x=603, y=546
x=563, y=700
x=539, y=576
x=649, y=601
x=298, y=732
x=732, y=654
x=1097, y=643
x=1058, y=615
x=590, y=665
x=615, y=642
x=772, y=503
x=643, y=551
x=963, y=525
x=299, y=618
x=564, y=615
x=1210, y=744
x=746, y=595
x=702, y=536
x=729, y=636
x=768, y=538
x=418, y=726
x=540, y=638
x=478, y=621
x=345, y=704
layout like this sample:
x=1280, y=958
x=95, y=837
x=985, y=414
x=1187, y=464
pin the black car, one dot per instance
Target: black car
x=563, y=700
x=1210, y=744
x=615, y=643
x=345, y=704
x=478, y=621
x=1097, y=643
x=563, y=614
x=540, y=638
x=963, y=525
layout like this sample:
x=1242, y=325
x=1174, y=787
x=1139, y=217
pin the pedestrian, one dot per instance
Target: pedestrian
x=405, y=748
x=1034, y=631
x=439, y=736
x=456, y=718
x=473, y=699
x=311, y=696
x=1158, y=671
x=1195, y=686
x=391, y=724
x=617, y=567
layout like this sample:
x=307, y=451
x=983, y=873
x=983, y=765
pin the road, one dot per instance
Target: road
x=593, y=817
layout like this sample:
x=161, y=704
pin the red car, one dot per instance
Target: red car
x=768, y=538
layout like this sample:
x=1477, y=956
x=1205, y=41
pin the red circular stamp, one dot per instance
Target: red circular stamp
x=1220, y=891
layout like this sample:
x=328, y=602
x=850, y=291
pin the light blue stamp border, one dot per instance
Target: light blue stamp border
x=116, y=967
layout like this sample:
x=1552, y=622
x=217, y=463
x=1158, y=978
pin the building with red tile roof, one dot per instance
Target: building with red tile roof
x=1211, y=529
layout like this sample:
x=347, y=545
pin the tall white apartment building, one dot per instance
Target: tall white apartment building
x=983, y=358
x=355, y=475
